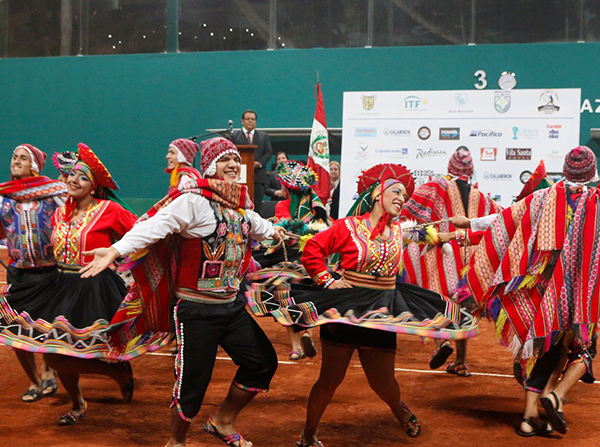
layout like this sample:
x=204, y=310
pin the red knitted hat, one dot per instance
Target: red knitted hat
x=461, y=163
x=580, y=165
x=187, y=148
x=214, y=149
x=103, y=177
x=38, y=158
x=382, y=172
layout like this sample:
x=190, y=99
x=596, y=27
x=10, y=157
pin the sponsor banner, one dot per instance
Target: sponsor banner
x=488, y=153
x=518, y=153
x=449, y=133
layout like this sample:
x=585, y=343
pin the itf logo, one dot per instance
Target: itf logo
x=415, y=103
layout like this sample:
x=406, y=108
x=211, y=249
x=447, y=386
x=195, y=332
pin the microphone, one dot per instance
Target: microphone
x=230, y=122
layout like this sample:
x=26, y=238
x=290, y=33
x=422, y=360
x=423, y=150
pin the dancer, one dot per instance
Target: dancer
x=180, y=162
x=27, y=204
x=213, y=224
x=365, y=307
x=442, y=199
x=534, y=274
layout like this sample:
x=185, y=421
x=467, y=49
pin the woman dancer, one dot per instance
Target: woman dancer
x=366, y=307
x=65, y=317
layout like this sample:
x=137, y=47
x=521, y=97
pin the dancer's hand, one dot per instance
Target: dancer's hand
x=103, y=258
x=280, y=233
x=460, y=222
x=446, y=237
x=340, y=284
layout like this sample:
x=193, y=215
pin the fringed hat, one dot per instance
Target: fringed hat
x=296, y=176
x=581, y=166
x=186, y=150
x=64, y=161
x=382, y=172
x=212, y=151
x=88, y=162
x=38, y=158
x=461, y=163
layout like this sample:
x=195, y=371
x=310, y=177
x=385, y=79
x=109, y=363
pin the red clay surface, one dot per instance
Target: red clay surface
x=478, y=411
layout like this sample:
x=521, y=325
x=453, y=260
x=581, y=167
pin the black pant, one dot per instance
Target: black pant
x=200, y=329
x=259, y=193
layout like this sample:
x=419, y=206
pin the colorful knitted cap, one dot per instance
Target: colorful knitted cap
x=186, y=150
x=388, y=171
x=296, y=176
x=38, y=158
x=461, y=163
x=87, y=159
x=580, y=166
x=212, y=151
x=64, y=161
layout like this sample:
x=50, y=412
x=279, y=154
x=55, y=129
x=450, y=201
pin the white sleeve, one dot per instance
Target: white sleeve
x=482, y=223
x=60, y=200
x=190, y=215
x=260, y=228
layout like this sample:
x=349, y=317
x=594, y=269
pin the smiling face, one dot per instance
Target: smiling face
x=79, y=185
x=172, y=158
x=249, y=121
x=20, y=165
x=394, y=198
x=229, y=167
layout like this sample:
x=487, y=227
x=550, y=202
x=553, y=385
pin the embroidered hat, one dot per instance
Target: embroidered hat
x=213, y=150
x=64, y=161
x=580, y=166
x=186, y=150
x=38, y=158
x=538, y=180
x=388, y=171
x=461, y=163
x=296, y=176
x=88, y=161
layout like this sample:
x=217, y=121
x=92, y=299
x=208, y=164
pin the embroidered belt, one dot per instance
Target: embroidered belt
x=370, y=281
x=205, y=297
x=69, y=268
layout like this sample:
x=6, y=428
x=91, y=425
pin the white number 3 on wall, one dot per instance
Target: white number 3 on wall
x=481, y=80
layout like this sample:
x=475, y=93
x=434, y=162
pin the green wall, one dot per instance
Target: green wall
x=128, y=108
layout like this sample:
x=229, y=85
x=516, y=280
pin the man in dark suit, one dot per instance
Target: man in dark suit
x=249, y=135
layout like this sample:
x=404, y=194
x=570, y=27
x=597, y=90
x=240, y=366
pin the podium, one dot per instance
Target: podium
x=247, y=172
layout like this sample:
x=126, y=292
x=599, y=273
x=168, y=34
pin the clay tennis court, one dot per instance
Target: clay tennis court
x=478, y=411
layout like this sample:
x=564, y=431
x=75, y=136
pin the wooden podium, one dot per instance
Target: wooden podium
x=247, y=174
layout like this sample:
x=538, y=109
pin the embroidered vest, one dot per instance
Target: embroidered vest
x=28, y=228
x=211, y=268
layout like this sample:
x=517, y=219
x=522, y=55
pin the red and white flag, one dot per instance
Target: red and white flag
x=318, y=151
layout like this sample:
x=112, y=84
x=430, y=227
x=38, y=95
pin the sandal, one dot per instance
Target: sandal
x=440, y=355
x=71, y=418
x=127, y=390
x=413, y=426
x=230, y=440
x=557, y=418
x=313, y=444
x=461, y=370
x=296, y=355
x=49, y=384
x=308, y=347
x=543, y=430
x=31, y=395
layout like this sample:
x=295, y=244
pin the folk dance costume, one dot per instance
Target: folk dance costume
x=535, y=274
x=378, y=306
x=184, y=175
x=59, y=312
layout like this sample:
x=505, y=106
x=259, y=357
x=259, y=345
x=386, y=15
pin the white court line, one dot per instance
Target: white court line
x=421, y=371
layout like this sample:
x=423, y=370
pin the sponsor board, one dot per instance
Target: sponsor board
x=527, y=134
x=488, y=154
x=449, y=133
x=424, y=132
x=494, y=176
x=365, y=132
x=396, y=132
x=485, y=133
x=431, y=152
x=518, y=153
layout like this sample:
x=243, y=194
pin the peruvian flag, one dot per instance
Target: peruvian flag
x=318, y=151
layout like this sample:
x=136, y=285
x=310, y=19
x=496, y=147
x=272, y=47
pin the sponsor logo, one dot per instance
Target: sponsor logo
x=488, y=154
x=553, y=133
x=368, y=102
x=553, y=126
x=449, y=133
x=425, y=175
x=396, y=132
x=549, y=101
x=555, y=156
x=362, y=153
x=527, y=134
x=431, y=152
x=393, y=152
x=366, y=132
x=493, y=176
x=525, y=176
x=461, y=99
x=502, y=101
x=424, y=132
x=485, y=133
x=413, y=103
x=518, y=153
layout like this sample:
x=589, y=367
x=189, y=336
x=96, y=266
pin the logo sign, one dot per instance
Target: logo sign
x=393, y=152
x=365, y=132
x=449, y=133
x=396, y=132
x=424, y=133
x=488, y=154
x=431, y=152
x=493, y=176
x=485, y=133
x=518, y=153
x=502, y=101
x=528, y=134
x=413, y=103
x=368, y=102
x=553, y=126
x=362, y=154
x=553, y=133
x=549, y=101
x=461, y=99
x=525, y=176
